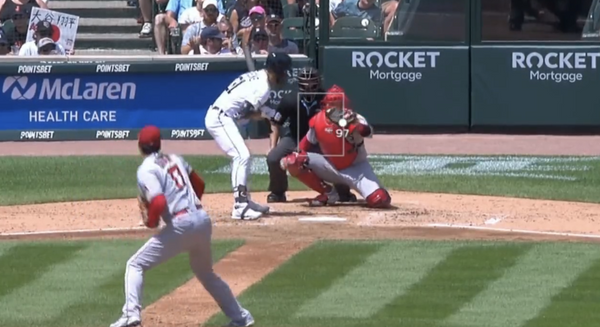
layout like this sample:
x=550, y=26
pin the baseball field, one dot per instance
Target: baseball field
x=486, y=230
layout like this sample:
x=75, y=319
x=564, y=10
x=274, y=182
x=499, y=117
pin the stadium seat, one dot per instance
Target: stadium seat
x=293, y=28
x=354, y=27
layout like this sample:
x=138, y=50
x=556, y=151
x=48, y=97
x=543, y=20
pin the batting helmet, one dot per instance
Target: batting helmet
x=279, y=63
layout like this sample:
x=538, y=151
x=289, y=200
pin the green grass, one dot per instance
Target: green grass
x=79, y=283
x=52, y=179
x=430, y=284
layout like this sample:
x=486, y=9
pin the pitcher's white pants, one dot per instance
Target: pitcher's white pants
x=190, y=233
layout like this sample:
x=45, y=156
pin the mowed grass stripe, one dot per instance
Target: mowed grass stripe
x=299, y=280
x=527, y=287
x=383, y=276
x=577, y=305
x=64, y=284
x=105, y=301
x=24, y=263
x=456, y=280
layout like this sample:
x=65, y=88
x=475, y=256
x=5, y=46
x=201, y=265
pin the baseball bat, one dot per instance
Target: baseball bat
x=248, y=56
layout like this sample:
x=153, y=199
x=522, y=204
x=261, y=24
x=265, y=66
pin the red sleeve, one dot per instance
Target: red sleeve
x=155, y=209
x=313, y=121
x=364, y=130
x=197, y=184
x=304, y=144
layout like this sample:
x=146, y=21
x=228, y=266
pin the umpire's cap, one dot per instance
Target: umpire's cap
x=149, y=139
x=279, y=63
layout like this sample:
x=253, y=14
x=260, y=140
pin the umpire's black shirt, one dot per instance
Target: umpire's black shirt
x=290, y=110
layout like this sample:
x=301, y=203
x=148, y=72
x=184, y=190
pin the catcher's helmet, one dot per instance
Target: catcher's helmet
x=309, y=79
x=279, y=63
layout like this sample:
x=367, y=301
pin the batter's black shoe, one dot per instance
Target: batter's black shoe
x=348, y=198
x=275, y=198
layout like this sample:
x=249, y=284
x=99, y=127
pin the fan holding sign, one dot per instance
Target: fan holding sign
x=60, y=27
x=43, y=30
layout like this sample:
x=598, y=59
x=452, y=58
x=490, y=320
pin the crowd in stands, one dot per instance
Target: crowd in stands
x=14, y=22
x=197, y=27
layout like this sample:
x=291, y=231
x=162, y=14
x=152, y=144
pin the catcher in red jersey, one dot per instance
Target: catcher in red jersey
x=340, y=133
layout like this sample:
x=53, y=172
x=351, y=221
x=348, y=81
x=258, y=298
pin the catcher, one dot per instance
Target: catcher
x=340, y=132
x=170, y=189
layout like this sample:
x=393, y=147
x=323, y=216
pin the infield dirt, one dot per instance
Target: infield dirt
x=275, y=238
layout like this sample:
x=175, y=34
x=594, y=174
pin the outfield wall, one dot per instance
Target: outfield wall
x=458, y=87
x=98, y=98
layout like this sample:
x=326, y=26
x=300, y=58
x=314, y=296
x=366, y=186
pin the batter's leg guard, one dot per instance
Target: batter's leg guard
x=379, y=199
x=296, y=163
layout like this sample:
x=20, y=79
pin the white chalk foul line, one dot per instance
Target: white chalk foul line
x=522, y=231
x=74, y=231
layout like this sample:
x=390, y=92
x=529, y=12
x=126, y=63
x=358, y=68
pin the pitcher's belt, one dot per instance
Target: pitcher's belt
x=185, y=211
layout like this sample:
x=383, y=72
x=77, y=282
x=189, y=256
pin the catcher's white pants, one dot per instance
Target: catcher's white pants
x=188, y=233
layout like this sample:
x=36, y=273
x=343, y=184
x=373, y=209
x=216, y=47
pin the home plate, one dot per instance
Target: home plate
x=322, y=219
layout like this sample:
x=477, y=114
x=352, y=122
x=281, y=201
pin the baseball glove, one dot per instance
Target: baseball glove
x=143, y=206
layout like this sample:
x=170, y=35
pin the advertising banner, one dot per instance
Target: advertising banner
x=403, y=86
x=109, y=106
x=535, y=85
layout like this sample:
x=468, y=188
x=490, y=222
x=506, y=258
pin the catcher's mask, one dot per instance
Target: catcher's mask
x=309, y=82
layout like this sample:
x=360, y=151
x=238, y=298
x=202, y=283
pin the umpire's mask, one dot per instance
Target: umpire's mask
x=309, y=83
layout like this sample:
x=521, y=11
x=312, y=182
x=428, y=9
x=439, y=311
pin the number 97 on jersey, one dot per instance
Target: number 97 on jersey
x=341, y=133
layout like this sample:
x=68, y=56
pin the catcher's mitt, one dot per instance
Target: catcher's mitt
x=341, y=117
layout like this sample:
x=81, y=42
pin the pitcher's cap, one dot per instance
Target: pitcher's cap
x=149, y=136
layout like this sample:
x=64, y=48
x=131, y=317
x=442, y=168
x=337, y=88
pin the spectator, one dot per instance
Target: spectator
x=260, y=41
x=210, y=17
x=358, y=8
x=194, y=14
x=43, y=29
x=8, y=8
x=146, y=11
x=212, y=42
x=257, y=20
x=4, y=44
x=230, y=41
x=47, y=47
x=17, y=31
x=167, y=22
x=367, y=9
x=190, y=16
x=240, y=15
x=276, y=42
x=257, y=16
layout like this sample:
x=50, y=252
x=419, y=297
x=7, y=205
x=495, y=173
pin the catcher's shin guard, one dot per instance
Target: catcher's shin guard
x=379, y=199
x=295, y=163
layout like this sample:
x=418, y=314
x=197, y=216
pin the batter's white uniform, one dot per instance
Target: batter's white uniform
x=227, y=112
x=187, y=229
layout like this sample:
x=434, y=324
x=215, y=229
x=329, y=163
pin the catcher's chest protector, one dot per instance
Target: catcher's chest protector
x=336, y=143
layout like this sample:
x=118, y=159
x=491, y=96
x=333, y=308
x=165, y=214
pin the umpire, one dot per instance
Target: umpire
x=297, y=114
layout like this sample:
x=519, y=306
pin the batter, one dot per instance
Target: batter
x=170, y=188
x=340, y=133
x=244, y=99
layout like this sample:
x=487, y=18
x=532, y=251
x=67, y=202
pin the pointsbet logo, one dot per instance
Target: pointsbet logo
x=557, y=67
x=20, y=88
x=399, y=66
